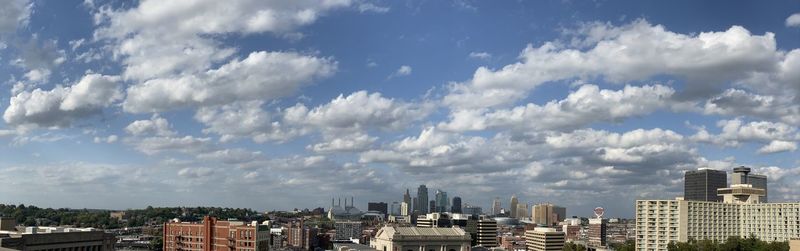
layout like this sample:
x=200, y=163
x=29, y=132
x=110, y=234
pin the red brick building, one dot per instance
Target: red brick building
x=214, y=235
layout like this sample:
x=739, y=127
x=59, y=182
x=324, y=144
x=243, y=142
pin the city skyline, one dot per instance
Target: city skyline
x=281, y=105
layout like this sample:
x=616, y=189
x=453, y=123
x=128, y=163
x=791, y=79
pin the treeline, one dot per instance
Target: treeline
x=35, y=216
x=733, y=243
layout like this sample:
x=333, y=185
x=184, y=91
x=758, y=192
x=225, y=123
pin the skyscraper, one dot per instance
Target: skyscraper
x=442, y=203
x=496, y=206
x=456, y=205
x=513, y=206
x=407, y=198
x=432, y=207
x=702, y=184
x=422, y=199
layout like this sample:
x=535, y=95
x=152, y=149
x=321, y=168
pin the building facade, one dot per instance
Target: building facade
x=56, y=239
x=659, y=222
x=544, y=239
x=513, y=206
x=456, y=208
x=486, y=232
x=347, y=230
x=547, y=214
x=702, y=184
x=597, y=232
x=422, y=200
x=378, y=207
x=212, y=234
x=392, y=238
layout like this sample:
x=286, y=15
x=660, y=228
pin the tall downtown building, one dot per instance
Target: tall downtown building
x=442, y=202
x=702, y=184
x=456, y=208
x=741, y=213
x=496, y=206
x=513, y=206
x=422, y=200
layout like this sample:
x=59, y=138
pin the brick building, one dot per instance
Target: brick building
x=301, y=236
x=214, y=235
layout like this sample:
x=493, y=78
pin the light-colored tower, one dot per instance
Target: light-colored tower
x=513, y=206
x=496, y=206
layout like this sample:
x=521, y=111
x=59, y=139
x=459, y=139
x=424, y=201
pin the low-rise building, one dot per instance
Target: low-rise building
x=544, y=239
x=213, y=234
x=56, y=239
x=392, y=238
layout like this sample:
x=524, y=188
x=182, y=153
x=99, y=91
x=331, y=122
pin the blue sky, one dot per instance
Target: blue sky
x=277, y=105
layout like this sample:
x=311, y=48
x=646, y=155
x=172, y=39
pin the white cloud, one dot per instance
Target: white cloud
x=793, y=20
x=370, y=7
x=404, y=70
x=159, y=40
x=358, y=111
x=61, y=105
x=345, y=143
x=186, y=144
x=109, y=140
x=735, y=132
x=632, y=52
x=260, y=76
x=155, y=126
x=584, y=106
x=736, y=102
x=777, y=146
x=480, y=55
x=244, y=119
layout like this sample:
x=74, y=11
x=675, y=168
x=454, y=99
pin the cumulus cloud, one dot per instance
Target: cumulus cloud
x=779, y=136
x=736, y=102
x=632, y=52
x=793, y=20
x=584, y=106
x=156, y=125
x=344, y=143
x=62, y=105
x=245, y=119
x=358, y=111
x=260, y=76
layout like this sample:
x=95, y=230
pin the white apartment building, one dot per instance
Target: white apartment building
x=658, y=222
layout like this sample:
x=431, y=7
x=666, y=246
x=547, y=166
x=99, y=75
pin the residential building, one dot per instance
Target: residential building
x=702, y=184
x=434, y=220
x=512, y=243
x=347, y=230
x=405, y=209
x=659, y=222
x=522, y=211
x=544, y=239
x=301, y=236
x=391, y=238
x=596, y=232
x=212, y=234
x=486, y=232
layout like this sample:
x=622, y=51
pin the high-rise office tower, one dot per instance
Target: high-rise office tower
x=407, y=198
x=742, y=175
x=414, y=206
x=598, y=228
x=496, y=206
x=422, y=199
x=456, y=205
x=405, y=209
x=522, y=211
x=442, y=203
x=513, y=206
x=394, y=208
x=544, y=239
x=432, y=207
x=378, y=207
x=702, y=184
